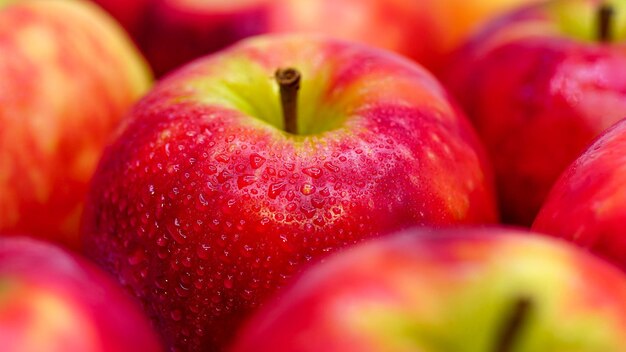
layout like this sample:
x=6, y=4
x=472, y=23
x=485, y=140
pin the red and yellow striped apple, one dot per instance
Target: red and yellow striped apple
x=215, y=193
x=487, y=290
x=68, y=75
x=587, y=205
x=54, y=301
x=539, y=85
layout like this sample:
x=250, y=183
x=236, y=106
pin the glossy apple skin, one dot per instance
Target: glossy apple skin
x=433, y=291
x=587, y=204
x=171, y=33
x=537, y=114
x=54, y=301
x=68, y=75
x=203, y=210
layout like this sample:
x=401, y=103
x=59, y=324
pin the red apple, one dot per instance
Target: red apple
x=539, y=86
x=206, y=204
x=68, y=75
x=587, y=205
x=487, y=290
x=54, y=301
x=172, y=32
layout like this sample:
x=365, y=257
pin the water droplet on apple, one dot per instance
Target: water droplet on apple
x=224, y=176
x=161, y=241
x=307, y=189
x=318, y=202
x=222, y=158
x=256, y=161
x=275, y=188
x=331, y=167
x=182, y=290
x=199, y=283
x=245, y=181
x=163, y=252
x=314, y=172
x=203, y=251
x=319, y=221
x=137, y=257
x=202, y=200
x=176, y=232
x=176, y=315
x=308, y=211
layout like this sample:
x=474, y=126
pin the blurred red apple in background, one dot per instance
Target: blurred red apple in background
x=539, y=85
x=52, y=301
x=210, y=200
x=68, y=75
x=173, y=32
x=587, y=205
x=488, y=290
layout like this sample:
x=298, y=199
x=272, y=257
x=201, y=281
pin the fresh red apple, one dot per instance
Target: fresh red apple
x=539, y=85
x=68, y=76
x=173, y=32
x=54, y=301
x=587, y=205
x=216, y=193
x=487, y=290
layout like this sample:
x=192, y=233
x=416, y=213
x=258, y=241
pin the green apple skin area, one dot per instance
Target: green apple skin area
x=204, y=205
x=539, y=88
x=447, y=291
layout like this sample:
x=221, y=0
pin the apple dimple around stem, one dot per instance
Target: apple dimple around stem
x=513, y=324
x=605, y=15
x=289, y=82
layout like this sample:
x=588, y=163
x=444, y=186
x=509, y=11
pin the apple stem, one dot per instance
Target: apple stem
x=605, y=18
x=514, y=323
x=289, y=81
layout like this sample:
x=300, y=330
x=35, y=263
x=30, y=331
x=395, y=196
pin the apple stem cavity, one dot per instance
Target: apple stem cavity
x=606, y=13
x=289, y=81
x=513, y=325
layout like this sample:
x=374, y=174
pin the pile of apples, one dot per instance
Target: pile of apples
x=313, y=175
